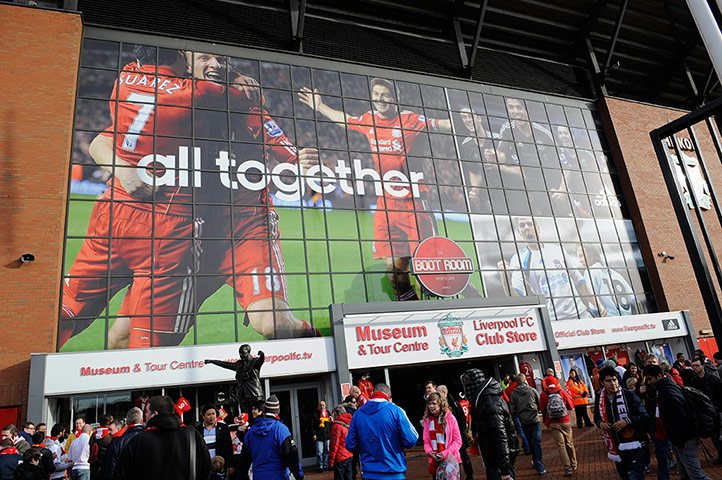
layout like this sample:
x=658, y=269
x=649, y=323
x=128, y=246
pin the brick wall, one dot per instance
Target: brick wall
x=628, y=126
x=38, y=74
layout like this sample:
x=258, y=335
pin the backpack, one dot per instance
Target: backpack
x=556, y=410
x=703, y=412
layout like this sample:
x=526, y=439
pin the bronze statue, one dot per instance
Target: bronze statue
x=248, y=376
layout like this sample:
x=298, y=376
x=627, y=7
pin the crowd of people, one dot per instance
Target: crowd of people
x=669, y=407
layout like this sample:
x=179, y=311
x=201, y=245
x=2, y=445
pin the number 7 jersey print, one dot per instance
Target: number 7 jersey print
x=153, y=108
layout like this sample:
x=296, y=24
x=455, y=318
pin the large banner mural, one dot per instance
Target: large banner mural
x=221, y=198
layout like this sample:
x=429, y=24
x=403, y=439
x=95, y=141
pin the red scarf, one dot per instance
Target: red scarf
x=62, y=450
x=380, y=395
x=437, y=434
x=9, y=451
x=438, y=440
x=624, y=439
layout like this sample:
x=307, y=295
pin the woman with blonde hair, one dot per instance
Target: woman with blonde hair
x=441, y=433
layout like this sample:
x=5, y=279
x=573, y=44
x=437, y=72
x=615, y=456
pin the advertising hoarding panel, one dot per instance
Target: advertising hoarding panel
x=615, y=330
x=374, y=340
x=68, y=373
x=222, y=197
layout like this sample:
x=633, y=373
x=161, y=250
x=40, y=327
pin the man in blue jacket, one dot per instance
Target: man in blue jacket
x=269, y=446
x=379, y=431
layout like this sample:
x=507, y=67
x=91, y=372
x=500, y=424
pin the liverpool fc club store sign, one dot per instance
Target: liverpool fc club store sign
x=392, y=339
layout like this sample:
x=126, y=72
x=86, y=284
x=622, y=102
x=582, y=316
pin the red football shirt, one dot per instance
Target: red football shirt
x=391, y=139
x=152, y=108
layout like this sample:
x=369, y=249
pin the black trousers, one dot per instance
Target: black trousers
x=583, y=416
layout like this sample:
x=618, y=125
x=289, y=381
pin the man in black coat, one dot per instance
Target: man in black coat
x=711, y=386
x=10, y=458
x=165, y=450
x=46, y=456
x=217, y=436
x=322, y=435
x=490, y=417
x=134, y=426
x=677, y=421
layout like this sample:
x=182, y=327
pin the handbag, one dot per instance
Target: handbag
x=448, y=469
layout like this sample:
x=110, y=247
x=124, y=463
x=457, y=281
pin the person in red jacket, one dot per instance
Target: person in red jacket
x=339, y=458
x=556, y=417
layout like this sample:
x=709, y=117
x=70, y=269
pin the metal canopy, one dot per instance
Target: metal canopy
x=646, y=50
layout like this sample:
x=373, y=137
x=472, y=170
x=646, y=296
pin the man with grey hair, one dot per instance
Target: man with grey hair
x=133, y=426
x=379, y=432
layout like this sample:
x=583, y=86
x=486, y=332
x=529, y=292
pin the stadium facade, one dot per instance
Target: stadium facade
x=182, y=197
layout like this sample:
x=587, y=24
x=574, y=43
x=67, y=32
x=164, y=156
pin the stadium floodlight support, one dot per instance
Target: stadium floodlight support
x=688, y=227
x=709, y=31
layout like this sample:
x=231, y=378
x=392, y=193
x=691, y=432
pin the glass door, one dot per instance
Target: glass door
x=298, y=404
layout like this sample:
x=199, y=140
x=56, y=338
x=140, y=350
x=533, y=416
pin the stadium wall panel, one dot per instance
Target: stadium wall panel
x=39, y=79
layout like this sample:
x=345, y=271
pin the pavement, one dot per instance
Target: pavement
x=591, y=456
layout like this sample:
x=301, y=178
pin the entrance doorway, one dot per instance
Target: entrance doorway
x=407, y=382
x=298, y=404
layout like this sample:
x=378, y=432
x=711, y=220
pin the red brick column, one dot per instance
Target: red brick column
x=38, y=74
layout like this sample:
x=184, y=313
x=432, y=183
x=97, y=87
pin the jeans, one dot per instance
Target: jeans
x=524, y=441
x=342, y=469
x=688, y=457
x=322, y=453
x=562, y=435
x=533, y=434
x=661, y=451
x=633, y=465
x=80, y=474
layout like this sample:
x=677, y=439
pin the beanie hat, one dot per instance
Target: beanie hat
x=549, y=381
x=272, y=405
x=472, y=380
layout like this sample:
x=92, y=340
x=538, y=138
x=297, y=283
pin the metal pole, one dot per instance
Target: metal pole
x=709, y=31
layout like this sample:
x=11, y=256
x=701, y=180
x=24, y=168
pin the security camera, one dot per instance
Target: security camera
x=662, y=254
x=27, y=258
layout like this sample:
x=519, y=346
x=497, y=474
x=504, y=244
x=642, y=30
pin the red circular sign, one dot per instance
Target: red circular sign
x=442, y=266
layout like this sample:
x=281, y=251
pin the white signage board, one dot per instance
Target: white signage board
x=162, y=367
x=592, y=332
x=382, y=339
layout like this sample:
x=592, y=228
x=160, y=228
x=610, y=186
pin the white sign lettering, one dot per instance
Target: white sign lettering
x=613, y=330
